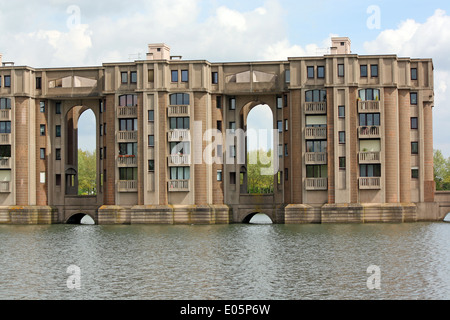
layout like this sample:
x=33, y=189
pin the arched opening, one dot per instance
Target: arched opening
x=258, y=218
x=259, y=176
x=447, y=217
x=81, y=218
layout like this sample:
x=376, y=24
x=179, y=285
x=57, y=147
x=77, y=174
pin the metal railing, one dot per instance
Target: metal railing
x=316, y=184
x=372, y=183
x=369, y=132
x=369, y=157
x=312, y=158
x=179, y=160
x=128, y=186
x=179, y=135
x=369, y=106
x=127, y=111
x=178, y=186
x=178, y=111
x=315, y=107
x=314, y=133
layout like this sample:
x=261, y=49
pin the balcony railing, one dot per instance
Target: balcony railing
x=179, y=135
x=178, y=186
x=369, y=157
x=315, y=107
x=127, y=161
x=127, y=136
x=368, y=106
x=178, y=111
x=314, y=133
x=5, y=187
x=316, y=184
x=370, y=183
x=5, y=163
x=180, y=160
x=5, y=114
x=123, y=112
x=128, y=186
x=315, y=158
x=370, y=132
x=5, y=138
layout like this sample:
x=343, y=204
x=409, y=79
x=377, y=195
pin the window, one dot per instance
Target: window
x=232, y=151
x=413, y=73
x=124, y=77
x=42, y=106
x=316, y=96
x=219, y=175
x=104, y=129
x=286, y=174
x=179, y=123
x=101, y=130
x=369, y=119
x=320, y=72
x=280, y=126
x=180, y=148
x=128, y=125
x=319, y=146
x=174, y=76
x=5, y=151
x=232, y=126
x=287, y=76
x=101, y=153
x=58, y=154
x=316, y=171
x=58, y=131
x=215, y=77
x=279, y=103
x=286, y=150
x=369, y=94
x=342, y=163
x=179, y=99
x=370, y=171
x=38, y=83
x=232, y=177
x=128, y=100
x=7, y=81
x=151, y=75
x=414, y=98
x=415, y=173
x=286, y=101
x=58, y=108
x=363, y=70
x=310, y=72
x=374, y=70
x=219, y=126
x=128, y=174
x=5, y=126
x=219, y=102
x=58, y=180
x=180, y=173
x=104, y=152
x=341, y=137
x=151, y=115
x=286, y=125
x=232, y=103
x=42, y=153
x=5, y=103
x=133, y=76
x=184, y=76
x=340, y=70
x=151, y=141
x=151, y=165
x=414, y=123
x=42, y=129
x=280, y=151
x=42, y=177
x=127, y=149
x=414, y=148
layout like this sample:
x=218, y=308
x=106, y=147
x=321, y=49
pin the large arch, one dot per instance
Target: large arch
x=249, y=219
x=79, y=218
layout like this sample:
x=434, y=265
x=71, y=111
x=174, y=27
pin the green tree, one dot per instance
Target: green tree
x=441, y=171
x=87, y=173
x=259, y=177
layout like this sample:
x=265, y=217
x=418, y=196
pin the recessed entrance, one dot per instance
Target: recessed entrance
x=258, y=218
x=81, y=218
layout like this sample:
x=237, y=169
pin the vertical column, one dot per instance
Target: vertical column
x=110, y=142
x=41, y=164
x=142, y=150
x=161, y=155
x=405, y=145
x=331, y=147
x=391, y=162
x=297, y=140
x=353, y=163
x=23, y=149
x=218, y=190
x=200, y=176
x=429, y=184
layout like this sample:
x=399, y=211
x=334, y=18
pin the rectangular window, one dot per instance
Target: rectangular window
x=280, y=126
x=286, y=101
x=5, y=151
x=151, y=165
x=341, y=111
x=127, y=149
x=133, y=76
x=374, y=70
x=310, y=72
x=286, y=125
x=5, y=103
x=151, y=115
x=414, y=123
x=151, y=75
x=180, y=148
x=413, y=73
x=415, y=173
x=287, y=76
x=179, y=99
x=58, y=154
x=370, y=171
x=279, y=103
x=363, y=70
x=413, y=98
x=101, y=130
x=219, y=126
x=42, y=153
x=342, y=163
x=341, y=137
x=280, y=151
x=369, y=119
x=151, y=141
x=58, y=131
x=232, y=151
x=340, y=70
x=58, y=180
x=219, y=175
x=317, y=171
x=58, y=108
x=180, y=173
x=101, y=153
x=286, y=174
x=128, y=174
x=128, y=125
x=5, y=126
x=232, y=177
x=179, y=123
x=215, y=77
x=42, y=177
x=233, y=104
x=124, y=77
x=286, y=150
x=184, y=76
x=42, y=130
x=320, y=72
x=7, y=81
x=38, y=83
x=414, y=148
x=174, y=77
x=219, y=102
x=42, y=106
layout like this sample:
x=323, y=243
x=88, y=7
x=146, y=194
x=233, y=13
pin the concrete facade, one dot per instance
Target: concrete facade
x=357, y=142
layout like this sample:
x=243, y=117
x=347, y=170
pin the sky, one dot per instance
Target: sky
x=62, y=33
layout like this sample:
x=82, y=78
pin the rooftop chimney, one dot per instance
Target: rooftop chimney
x=158, y=51
x=341, y=45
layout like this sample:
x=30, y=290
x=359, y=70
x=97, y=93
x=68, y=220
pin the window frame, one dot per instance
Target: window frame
x=124, y=77
x=414, y=123
x=174, y=78
x=374, y=67
x=414, y=147
x=364, y=68
x=414, y=74
x=310, y=72
x=341, y=70
x=320, y=72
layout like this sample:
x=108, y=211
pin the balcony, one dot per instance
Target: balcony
x=316, y=133
x=368, y=106
x=126, y=161
x=316, y=184
x=127, y=136
x=5, y=114
x=178, y=186
x=5, y=163
x=373, y=183
x=5, y=187
x=179, y=160
x=316, y=158
x=315, y=108
x=369, y=132
x=5, y=138
x=179, y=111
x=369, y=157
x=124, y=112
x=128, y=186
x=178, y=135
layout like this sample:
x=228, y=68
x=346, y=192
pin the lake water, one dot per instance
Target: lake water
x=226, y=262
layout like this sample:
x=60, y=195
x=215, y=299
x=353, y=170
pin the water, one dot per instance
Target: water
x=229, y=262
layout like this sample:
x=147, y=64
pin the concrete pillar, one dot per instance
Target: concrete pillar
x=429, y=184
x=391, y=145
x=405, y=145
x=297, y=152
x=331, y=147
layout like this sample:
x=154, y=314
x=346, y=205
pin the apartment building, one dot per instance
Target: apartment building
x=354, y=142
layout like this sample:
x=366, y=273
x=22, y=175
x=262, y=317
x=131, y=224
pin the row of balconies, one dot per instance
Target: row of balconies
x=321, y=184
x=321, y=107
x=173, y=186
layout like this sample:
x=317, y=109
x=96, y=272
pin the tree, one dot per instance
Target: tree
x=259, y=179
x=441, y=171
x=87, y=173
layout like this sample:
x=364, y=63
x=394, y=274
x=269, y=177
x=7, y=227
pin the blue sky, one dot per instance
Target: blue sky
x=51, y=33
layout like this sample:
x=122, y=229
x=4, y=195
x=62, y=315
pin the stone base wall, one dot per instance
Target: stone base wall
x=28, y=215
